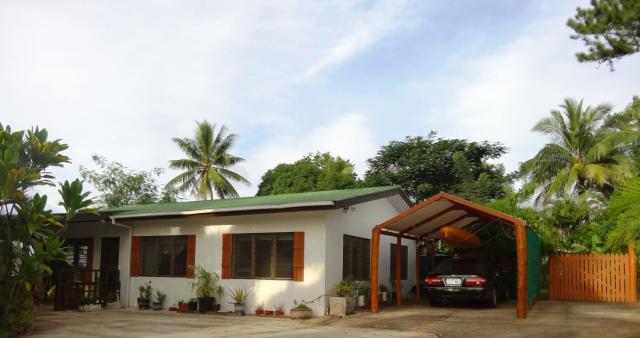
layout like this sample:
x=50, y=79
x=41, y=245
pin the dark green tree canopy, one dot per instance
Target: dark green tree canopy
x=312, y=173
x=424, y=166
x=119, y=185
x=609, y=28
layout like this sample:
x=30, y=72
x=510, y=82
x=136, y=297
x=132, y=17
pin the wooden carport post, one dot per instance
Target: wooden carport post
x=398, y=270
x=521, y=257
x=375, y=250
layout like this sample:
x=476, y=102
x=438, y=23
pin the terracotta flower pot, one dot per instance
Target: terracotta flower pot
x=184, y=307
x=259, y=312
x=279, y=313
x=268, y=312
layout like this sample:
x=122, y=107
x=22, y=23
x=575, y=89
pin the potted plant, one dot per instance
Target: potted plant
x=183, y=306
x=363, y=292
x=89, y=304
x=301, y=310
x=193, y=304
x=239, y=297
x=384, y=292
x=112, y=301
x=268, y=312
x=144, y=296
x=344, y=304
x=160, y=297
x=279, y=309
x=259, y=309
x=204, y=283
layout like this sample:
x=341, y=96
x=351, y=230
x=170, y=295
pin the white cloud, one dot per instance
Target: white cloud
x=376, y=23
x=499, y=96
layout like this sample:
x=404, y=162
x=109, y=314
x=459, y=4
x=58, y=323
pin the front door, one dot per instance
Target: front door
x=109, y=276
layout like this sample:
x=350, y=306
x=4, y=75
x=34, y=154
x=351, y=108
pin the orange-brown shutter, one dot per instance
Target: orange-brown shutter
x=191, y=255
x=298, y=256
x=226, y=256
x=135, y=252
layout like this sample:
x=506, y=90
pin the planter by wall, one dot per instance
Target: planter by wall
x=362, y=300
x=268, y=312
x=301, y=313
x=205, y=304
x=157, y=306
x=143, y=304
x=279, y=313
x=193, y=305
x=342, y=306
x=239, y=308
x=184, y=308
x=114, y=305
x=90, y=308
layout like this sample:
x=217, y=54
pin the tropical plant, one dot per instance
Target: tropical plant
x=625, y=211
x=207, y=169
x=205, y=283
x=582, y=156
x=160, y=296
x=239, y=295
x=28, y=230
x=345, y=288
x=303, y=304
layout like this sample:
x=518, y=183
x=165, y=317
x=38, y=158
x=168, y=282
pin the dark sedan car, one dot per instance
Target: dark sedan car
x=468, y=278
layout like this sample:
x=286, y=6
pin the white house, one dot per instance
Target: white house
x=280, y=247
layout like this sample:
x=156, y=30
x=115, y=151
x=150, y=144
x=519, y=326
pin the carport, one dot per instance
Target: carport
x=423, y=221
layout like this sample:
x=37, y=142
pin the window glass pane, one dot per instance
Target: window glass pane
x=403, y=261
x=83, y=255
x=355, y=262
x=263, y=254
x=180, y=256
x=165, y=247
x=241, y=249
x=284, y=255
x=148, y=256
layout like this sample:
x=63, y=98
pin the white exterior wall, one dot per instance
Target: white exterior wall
x=209, y=232
x=323, y=230
x=358, y=221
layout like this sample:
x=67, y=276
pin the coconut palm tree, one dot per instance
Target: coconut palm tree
x=207, y=168
x=582, y=155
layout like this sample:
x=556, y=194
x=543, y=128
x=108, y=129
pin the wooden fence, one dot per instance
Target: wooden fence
x=597, y=278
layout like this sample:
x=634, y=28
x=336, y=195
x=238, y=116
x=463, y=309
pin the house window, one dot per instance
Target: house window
x=403, y=262
x=163, y=256
x=262, y=256
x=355, y=258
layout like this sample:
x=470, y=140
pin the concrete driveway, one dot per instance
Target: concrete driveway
x=547, y=319
x=135, y=323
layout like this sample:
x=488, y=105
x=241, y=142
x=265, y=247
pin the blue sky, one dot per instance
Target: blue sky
x=120, y=79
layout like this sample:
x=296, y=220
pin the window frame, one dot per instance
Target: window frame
x=141, y=272
x=274, y=254
x=366, y=262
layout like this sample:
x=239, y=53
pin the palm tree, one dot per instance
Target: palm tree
x=207, y=167
x=582, y=156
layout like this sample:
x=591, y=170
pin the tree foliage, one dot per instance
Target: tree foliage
x=424, y=166
x=118, y=185
x=28, y=230
x=314, y=172
x=582, y=155
x=610, y=29
x=207, y=169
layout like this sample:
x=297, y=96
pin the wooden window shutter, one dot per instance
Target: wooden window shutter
x=135, y=255
x=226, y=256
x=191, y=255
x=298, y=256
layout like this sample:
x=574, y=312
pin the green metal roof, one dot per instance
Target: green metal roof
x=317, y=198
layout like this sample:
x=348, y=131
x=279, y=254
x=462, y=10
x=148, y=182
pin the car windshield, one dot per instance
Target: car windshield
x=461, y=266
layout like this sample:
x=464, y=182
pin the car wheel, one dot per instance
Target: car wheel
x=434, y=302
x=493, y=298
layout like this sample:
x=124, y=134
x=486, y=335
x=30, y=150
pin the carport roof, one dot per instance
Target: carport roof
x=440, y=210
